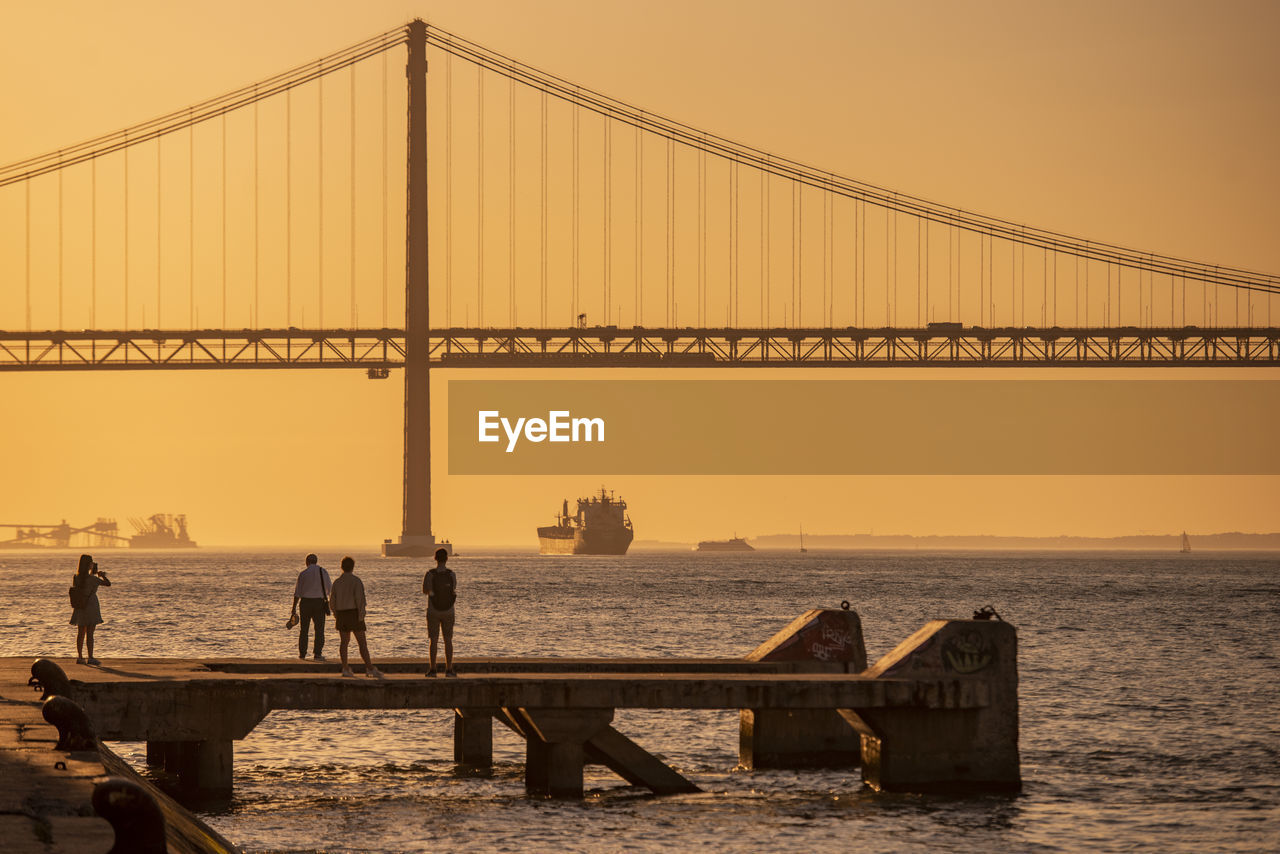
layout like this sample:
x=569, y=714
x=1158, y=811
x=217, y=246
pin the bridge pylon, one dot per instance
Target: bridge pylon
x=416, y=537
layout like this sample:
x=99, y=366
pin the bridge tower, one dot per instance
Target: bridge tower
x=416, y=538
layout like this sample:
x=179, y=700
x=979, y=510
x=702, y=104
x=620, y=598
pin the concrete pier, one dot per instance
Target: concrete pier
x=191, y=716
x=939, y=712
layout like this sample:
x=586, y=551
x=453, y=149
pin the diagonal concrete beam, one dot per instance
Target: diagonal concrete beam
x=634, y=764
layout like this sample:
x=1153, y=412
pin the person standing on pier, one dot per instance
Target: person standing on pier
x=441, y=585
x=86, y=582
x=312, y=590
x=347, y=600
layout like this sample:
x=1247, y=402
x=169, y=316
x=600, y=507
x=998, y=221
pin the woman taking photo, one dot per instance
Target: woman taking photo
x=87, y=616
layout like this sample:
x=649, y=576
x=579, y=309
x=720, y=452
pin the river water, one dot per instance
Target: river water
x=1149, y=688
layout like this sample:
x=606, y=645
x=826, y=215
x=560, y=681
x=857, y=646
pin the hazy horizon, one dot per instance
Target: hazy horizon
x=814, y=541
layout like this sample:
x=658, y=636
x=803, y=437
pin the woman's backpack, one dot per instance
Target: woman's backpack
x=79, y=596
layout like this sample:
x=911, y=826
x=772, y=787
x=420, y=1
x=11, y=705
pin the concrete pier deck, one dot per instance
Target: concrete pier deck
x=116, y=692
x=939, y=712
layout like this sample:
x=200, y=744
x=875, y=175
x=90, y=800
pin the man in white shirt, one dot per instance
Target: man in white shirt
x=312, y=590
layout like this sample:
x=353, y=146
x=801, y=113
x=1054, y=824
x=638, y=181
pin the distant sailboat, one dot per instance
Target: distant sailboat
x=802, y=548
x=1186, y=543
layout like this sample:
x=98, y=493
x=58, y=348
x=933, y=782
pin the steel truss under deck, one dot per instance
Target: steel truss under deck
x=380, y=349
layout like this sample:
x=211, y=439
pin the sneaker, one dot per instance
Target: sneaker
x=346, y=671
x=79, y=659
x=94, y=661
x=431, y=674
x=374, y=673
x=302, y=655
x=451, y=673
x=320, y=657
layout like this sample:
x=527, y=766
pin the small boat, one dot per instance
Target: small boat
x=1186, y=544
x=802, y=548
x=736, y=544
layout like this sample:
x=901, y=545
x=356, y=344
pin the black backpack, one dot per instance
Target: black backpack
x=79, y=594
x=442, y=595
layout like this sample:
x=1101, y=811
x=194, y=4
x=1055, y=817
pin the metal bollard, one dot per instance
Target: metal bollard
x=49, y=678
x=75, y=731
x=133, y=814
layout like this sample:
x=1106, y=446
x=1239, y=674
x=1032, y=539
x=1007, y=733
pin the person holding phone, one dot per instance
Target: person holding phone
x=88, y=615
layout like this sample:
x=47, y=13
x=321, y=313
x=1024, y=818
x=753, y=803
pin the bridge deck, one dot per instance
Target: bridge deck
x=383, y=349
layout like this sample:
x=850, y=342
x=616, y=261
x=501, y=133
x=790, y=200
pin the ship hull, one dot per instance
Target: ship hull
x=736, y=545
x=559, y=540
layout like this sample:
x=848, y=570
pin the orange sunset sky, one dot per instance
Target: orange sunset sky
x=1152, y=124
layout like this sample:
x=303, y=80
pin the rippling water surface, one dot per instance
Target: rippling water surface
x=1149, y=689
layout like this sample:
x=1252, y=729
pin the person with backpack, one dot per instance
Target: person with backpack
x=86, y=613
x=441, y=586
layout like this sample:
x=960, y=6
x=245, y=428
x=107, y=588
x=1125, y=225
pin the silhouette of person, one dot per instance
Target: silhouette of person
x=441, y=585
x=89, y=578
x=348, y=603
x=312, y=590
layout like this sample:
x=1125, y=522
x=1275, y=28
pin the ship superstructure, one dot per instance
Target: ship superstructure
x=599, y=527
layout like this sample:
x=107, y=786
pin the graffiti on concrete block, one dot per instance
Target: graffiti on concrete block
x=827, y=637
x=831, y=642
x=968, y=652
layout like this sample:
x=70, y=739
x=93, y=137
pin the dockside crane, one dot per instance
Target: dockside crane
x=101, y=534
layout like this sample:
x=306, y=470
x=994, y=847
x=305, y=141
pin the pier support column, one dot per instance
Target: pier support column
x=831, y=640
x=555, y=750
x=473, y=737
x=943, y=748
x=171, y=756
x=205, y=767
x=157, y=753
x=796, y=738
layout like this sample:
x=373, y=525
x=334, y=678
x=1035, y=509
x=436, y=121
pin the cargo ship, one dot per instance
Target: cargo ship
x=736, y=544
x=161, y=531
x=600, y=527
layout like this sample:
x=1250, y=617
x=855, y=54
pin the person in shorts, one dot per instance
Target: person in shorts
x=346, y=599
x=441, y=586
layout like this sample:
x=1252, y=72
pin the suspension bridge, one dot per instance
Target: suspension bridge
x=559, y=227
